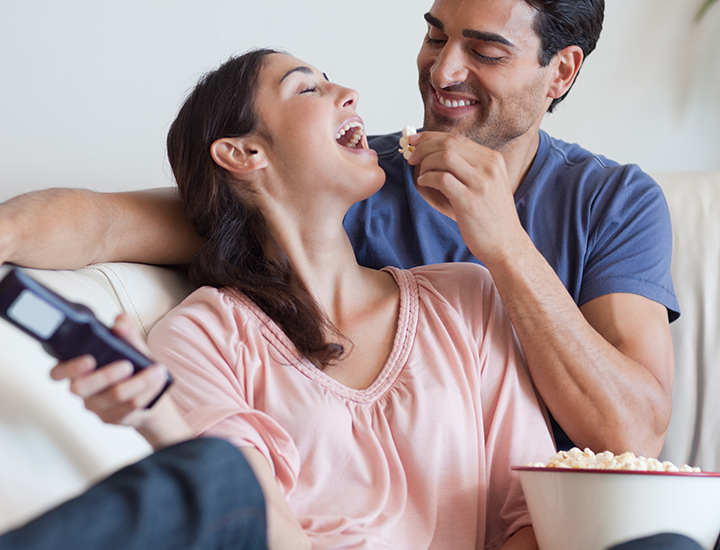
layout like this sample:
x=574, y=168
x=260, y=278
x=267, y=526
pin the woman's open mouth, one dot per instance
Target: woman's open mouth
x=351, y=134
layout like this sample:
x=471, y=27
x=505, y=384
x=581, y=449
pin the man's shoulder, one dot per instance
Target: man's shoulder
x=569, y=164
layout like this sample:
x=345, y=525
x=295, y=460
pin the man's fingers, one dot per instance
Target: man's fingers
x=445, y=183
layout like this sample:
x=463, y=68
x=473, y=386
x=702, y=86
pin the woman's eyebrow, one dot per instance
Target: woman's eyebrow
x=302, y=69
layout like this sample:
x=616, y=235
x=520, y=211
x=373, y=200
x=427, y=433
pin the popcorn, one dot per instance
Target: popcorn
x=405, y=148
x=588, y=460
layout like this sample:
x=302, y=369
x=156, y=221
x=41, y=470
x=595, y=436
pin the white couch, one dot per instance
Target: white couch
x=51, y=447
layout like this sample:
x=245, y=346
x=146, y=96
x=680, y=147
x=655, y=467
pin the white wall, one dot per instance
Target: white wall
x=89, y=87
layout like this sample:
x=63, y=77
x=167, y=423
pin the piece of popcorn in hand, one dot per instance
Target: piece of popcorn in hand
x=405, y=148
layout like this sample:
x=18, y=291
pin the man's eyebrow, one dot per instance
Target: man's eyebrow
x=434, y=21
x=302, y=69
x=470, y=33
x=487, y=37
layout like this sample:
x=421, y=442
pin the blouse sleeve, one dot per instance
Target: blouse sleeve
x=215, y=354
x=514, y=422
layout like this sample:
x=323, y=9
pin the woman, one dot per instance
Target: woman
x=379, y=409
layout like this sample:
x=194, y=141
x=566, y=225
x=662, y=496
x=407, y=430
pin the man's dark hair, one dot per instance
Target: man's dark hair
x=563, y=23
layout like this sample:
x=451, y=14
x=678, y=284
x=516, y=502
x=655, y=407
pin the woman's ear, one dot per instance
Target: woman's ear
x=238, y=155
x=566, y=66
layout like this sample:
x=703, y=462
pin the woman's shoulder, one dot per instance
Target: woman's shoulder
x=459, y=279
x=461, y=291
x=208, y=310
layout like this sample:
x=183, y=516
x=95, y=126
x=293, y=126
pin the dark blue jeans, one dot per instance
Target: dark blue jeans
x=663, y=541
x=200, y=494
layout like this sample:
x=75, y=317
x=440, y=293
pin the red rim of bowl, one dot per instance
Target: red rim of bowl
x=625, y=472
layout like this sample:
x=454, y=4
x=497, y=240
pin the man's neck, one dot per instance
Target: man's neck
x=519, y=156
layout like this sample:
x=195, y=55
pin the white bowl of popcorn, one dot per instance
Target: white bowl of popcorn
x=583, y=501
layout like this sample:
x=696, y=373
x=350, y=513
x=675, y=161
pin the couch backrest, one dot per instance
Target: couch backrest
x=694, y=202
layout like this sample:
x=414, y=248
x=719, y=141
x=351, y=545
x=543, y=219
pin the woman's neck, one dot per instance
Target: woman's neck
x=323, y=259
x=362, y=304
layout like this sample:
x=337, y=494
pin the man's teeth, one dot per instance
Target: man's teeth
x=453, y=104
x=354, y=138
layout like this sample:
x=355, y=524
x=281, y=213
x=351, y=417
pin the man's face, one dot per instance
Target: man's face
x=479, y=73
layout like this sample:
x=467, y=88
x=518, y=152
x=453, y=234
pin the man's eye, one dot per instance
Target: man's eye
x=309, y=90
x=434, y=40
x=486, y=59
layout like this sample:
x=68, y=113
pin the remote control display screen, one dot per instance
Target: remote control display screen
x=35, y=314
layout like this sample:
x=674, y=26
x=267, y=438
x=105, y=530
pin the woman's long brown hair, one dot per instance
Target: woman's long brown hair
x=239, y=251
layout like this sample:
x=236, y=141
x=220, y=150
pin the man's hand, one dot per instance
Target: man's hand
x=469, y=183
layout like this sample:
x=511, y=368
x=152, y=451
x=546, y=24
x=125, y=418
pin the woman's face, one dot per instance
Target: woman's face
x=318, y=140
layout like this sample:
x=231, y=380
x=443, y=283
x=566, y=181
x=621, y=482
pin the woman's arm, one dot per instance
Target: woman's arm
x=524, y=539
x=118, y=397
x=71, y=228
x=284, y=530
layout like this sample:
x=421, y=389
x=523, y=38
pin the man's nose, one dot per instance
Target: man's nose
x=449, y=68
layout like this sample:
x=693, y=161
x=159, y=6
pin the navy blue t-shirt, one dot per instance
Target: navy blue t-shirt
x=603, y=227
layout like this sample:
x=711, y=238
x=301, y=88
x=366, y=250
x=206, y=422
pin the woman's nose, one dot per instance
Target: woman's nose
x=348, y=97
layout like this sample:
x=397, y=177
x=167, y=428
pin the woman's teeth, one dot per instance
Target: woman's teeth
x=350, y=134
x=453, y=104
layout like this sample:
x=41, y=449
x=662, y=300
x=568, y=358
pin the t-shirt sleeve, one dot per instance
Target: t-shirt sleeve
x=213, y=352
x=630, y=247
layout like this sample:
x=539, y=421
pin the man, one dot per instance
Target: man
x=578, y=246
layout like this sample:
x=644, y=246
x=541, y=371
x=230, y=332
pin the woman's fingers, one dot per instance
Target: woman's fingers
x=122, y=399
x=114, y=392
x=73, y=367
x=99, y=380
x=126, y=330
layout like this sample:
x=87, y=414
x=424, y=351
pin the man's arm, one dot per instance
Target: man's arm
x=71, y=228
x=605, y=371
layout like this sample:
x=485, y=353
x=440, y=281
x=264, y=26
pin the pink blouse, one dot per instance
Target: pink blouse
x=419, y=459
